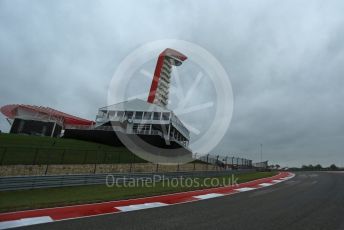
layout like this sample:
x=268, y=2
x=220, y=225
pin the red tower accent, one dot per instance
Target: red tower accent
x=159, y=90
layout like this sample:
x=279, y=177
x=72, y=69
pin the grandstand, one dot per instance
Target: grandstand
x=39, y=120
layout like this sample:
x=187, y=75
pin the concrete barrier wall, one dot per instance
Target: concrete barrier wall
x=31, y=170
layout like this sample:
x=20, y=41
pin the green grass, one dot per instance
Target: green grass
x=23, y=149
x=40, y=198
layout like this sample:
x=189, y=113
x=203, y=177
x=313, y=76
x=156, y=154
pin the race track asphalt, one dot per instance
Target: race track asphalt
x=309, y=201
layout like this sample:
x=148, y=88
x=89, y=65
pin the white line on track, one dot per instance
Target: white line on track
x=265, y=184
x=25, y=222
x=208, y=196
x=140, y=206
x=245, y=189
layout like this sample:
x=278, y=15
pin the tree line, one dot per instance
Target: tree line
x=317, y=167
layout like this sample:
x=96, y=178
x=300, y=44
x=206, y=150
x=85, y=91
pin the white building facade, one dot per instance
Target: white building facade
x=143, y=118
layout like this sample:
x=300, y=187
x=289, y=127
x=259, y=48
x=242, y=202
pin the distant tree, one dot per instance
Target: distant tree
x=318, y=167
x=294, y=169
x=333, y=167
x=311, y=167
x=304, y=167
x=277, y=166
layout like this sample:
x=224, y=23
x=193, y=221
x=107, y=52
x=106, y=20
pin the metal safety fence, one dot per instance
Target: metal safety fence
x=224, y=161
x=49, y=181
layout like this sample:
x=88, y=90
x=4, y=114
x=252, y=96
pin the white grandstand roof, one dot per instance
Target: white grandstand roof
x=135, y=105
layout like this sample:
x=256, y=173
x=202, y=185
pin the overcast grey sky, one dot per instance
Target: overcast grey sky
x=285, y=61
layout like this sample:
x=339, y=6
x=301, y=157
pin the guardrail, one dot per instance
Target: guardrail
x=31, y=182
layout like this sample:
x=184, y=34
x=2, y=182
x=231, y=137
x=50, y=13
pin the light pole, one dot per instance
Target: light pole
x=261, y=152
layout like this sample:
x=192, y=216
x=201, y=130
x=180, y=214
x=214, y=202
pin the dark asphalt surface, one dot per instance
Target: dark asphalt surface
x=308, y=201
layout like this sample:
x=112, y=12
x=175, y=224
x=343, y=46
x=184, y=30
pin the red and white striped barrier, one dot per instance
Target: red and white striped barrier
x=38, y=216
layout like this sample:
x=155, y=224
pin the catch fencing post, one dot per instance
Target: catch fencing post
x=207, y=161
x=96, y=161
x=131, y=162
x=195, y=162
x=48, y=162
x=46, y=169
x=217, y=162
x=95, y=168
